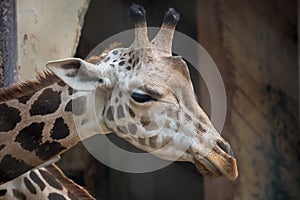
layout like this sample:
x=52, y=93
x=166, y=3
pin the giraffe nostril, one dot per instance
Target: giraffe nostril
x=225, y=147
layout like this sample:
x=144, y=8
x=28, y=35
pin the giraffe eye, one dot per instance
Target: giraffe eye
x=141, y=98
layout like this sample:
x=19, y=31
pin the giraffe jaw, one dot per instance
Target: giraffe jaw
x=205, y=167
x=216, y=165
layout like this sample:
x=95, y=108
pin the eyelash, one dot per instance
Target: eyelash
x=141, y=98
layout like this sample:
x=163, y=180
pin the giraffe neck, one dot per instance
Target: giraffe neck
x=43, y=183
x=38, y=126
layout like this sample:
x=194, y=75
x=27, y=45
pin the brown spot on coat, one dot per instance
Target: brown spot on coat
x=166, y=140
x=30, y=137
x=122, y=129
x=2, y=146
x=131, y=112
x=47, y=103
x=110, y=113
x=142, y=140
x=71, y=91
x=34, y=177
x=120, y=112
x=152, y=141
x=152, y=126
x=9, y=117
x=201, y=128
x=3, y=192
x=11, y=167
x=48, y=149
x=121, y=63
x=29, y=185
x=60, y=130
x=51, y=180
x=77, y=106
x=56, y=196
x=187, y=117
x=25, y=98
x=145, y=119
x=132, y=128
x=18, y=194
x=61, y=83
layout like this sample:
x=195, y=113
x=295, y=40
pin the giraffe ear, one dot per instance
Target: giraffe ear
x=77, y=73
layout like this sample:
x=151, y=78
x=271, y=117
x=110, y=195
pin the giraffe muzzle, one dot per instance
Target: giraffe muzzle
x=220, y=161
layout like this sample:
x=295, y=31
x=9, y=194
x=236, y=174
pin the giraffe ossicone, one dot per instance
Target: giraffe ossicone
x=142, y=93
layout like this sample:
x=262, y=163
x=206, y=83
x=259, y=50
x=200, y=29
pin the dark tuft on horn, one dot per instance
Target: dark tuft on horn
x=171, y=17
x=137, y=13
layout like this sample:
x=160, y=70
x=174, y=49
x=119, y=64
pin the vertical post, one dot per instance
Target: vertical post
x=8, y=43
x=298, y=23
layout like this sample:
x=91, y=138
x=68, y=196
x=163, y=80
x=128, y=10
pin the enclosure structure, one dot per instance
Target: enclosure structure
x=255, y=45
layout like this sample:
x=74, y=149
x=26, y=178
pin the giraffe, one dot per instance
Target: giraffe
x=47, y=182
x=128, y=91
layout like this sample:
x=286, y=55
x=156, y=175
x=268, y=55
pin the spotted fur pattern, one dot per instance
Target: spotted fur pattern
x=47, y=183
x=35, y=127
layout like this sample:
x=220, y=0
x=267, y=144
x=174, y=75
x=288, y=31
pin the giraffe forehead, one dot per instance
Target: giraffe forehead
x=170, y=66
x=167, y=71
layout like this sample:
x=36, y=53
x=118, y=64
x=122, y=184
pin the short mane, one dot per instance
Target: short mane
x=17, y=90
x=76, y=190
x=43, y=79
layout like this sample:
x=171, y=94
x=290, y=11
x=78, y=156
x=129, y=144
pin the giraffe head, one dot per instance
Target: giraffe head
x=147, y=98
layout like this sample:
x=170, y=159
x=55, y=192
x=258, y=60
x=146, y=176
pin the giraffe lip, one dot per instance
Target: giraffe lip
x=205, y=167
x=216, y=164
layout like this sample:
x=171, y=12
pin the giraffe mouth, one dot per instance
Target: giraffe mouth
x=216, y=165
x=205, y=167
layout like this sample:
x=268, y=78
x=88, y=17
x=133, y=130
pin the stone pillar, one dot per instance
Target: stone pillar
x=8, y=43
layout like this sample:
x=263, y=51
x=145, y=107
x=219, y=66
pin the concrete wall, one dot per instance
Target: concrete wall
x=47, y=30
x=254, y=44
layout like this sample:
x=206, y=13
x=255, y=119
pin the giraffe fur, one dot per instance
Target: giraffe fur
x=47, y=182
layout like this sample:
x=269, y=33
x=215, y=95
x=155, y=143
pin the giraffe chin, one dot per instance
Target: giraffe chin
x=215, y=165
x=206, y=168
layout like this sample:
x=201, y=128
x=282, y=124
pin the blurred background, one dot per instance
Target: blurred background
x=255, y=46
